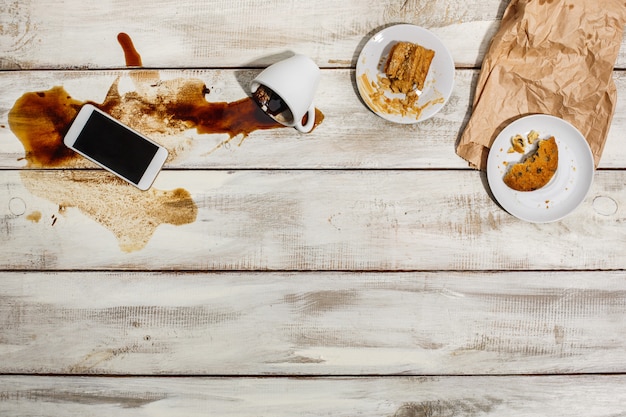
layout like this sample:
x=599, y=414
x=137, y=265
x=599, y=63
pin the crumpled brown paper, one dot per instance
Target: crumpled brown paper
x=552, y=57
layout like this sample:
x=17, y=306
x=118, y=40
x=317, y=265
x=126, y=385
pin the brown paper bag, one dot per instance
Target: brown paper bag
x=552, y=57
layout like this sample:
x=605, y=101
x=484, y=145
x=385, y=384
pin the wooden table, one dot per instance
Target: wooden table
x=360, y=270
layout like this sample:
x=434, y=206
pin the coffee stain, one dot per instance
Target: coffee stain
x=40, y=120
x=130, y=214
x=34, y=217
x=160, y=109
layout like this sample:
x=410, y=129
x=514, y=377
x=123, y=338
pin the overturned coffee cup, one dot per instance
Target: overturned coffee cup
x=285, y=91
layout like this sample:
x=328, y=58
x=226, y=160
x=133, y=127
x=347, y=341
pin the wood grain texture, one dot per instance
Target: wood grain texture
x=335, y=143
x=576, y=396
x=300, y=220
x=224, y=33
x=284, y=274
x=441, y=323
x=350, y=135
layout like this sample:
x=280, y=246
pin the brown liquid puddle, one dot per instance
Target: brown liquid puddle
x=161, y=109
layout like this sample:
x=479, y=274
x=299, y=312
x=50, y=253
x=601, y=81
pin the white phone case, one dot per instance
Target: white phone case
x=151, y=169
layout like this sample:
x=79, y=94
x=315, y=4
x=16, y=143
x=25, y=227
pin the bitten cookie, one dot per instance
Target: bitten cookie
x=536, y=170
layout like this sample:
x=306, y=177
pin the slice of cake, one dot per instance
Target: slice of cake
x=536, y=170
x=407, y=66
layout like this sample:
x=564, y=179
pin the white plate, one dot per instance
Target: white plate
x=439, y=81
x=567, y=188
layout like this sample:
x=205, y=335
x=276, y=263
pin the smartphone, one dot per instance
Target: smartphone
x=115, y=147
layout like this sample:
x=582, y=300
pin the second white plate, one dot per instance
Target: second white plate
x=565, y=191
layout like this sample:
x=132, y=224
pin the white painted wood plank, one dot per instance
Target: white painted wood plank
x=45, y=34
x=225, y=33
x=442, y=323
x=584, y=396
x=349, y=137
x=297, y=220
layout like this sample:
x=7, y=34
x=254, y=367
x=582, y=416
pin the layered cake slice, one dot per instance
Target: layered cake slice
x=407, y=66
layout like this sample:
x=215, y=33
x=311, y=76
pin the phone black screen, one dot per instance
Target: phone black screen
x=116, y=147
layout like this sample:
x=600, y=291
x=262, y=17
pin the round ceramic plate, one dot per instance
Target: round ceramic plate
x=371, y=65
x=567, y=188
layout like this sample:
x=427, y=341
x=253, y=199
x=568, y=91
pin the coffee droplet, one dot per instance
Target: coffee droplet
x=133, y=59
x=34, y=217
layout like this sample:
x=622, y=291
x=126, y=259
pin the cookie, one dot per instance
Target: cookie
x=536, y=170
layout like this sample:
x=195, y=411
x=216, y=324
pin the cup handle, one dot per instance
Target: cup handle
x=310, y=121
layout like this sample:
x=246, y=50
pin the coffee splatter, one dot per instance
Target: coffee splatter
x=130, y=214
x=169, y=107
x=40, y=120
x=161, y=109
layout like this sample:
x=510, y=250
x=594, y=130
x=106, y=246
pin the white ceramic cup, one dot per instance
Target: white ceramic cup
x=294, y=80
